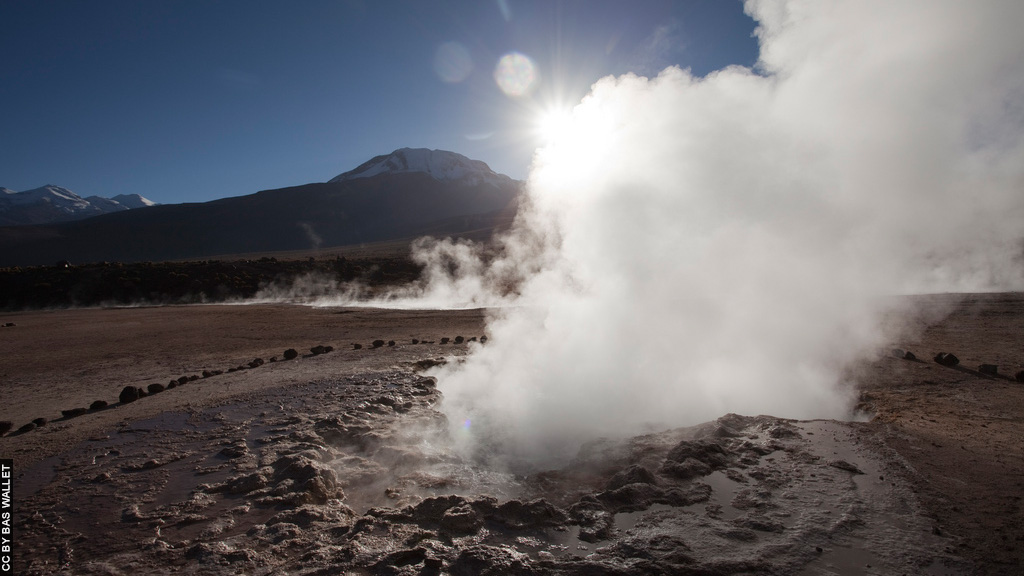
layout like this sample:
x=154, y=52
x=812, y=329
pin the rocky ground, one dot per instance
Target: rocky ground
x=338, y=462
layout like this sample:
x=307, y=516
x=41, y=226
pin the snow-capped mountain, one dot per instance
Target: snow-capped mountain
x=442, y=165
x=50, y=203
x=131, y=201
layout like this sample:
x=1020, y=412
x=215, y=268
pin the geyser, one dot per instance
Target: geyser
x=693, y=246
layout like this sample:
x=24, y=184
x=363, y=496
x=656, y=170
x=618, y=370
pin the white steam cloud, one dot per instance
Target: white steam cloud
x=697, y=246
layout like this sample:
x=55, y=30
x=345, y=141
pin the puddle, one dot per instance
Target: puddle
x=628, y=520
x=723, y=490
x=538, y=543
x=841, y=561
x=39, y=476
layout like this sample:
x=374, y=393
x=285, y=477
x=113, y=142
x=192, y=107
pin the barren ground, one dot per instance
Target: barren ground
x=320, y=465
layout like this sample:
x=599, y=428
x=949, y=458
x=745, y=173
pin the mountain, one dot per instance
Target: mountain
x=440, y=165
x=48, y=204
x=398, y=196
x=131, y=201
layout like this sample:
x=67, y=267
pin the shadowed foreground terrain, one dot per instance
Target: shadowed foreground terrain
x=338, y=461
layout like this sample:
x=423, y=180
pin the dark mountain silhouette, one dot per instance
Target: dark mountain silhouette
x=388, y=205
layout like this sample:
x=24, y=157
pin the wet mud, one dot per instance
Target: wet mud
x=355, y=476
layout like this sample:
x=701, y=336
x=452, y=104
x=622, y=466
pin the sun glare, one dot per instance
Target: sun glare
x=574, y=142
x=552, y=125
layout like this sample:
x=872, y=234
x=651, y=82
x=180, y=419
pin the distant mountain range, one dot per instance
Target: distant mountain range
x=397, y=196
x=50, y=203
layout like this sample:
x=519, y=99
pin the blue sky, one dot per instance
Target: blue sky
x=192, y=100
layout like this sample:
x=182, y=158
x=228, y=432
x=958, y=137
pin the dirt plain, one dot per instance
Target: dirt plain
x=202, y=478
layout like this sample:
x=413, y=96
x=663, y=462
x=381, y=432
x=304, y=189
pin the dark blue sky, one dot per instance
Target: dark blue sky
x=186, y=101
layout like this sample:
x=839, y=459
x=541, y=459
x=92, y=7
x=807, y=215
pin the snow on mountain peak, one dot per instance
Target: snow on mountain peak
x=51, y=203
x=133, y=201
x=442, y=165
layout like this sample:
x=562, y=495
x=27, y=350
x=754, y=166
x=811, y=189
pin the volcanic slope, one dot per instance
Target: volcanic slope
x=408, y=193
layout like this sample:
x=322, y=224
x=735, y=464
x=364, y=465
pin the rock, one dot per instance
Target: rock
x=632, y=497
x=444, y=340
x=533, y=514
x=306, y=516
x=155, y=388
x=1019, y=377
x=782, y=430
x=310, y=481
x=400, y=558
x=378, y=343
x=318, y=350
x=472, y=338
x=705, y=451
x=73, y=412
x=898, y=353
x=909, y=356
x=484, y=560
x=483, y=339
x=98, y=405
x=685, y=470
x=415, y=341
x=256, y=363
x=430, y=363
x=273, y=359
x=39, y=421
x=245, y=484
x=128, y=394
x=990, y=369
x=946, y=359
x=219, y=553
x=595, y=521
x=207, y=373
x=235, y=450
x=142, y=393
x=459, y=339
x=391, y=342
x=461, y=520
x=172, y=384
x=5, y=427
x=291, y=354
x=183, y=380
x=193, y=378
x=357, y=346
x=844, y=465
x=27, y=428
x=433, y=509
x=632, y=475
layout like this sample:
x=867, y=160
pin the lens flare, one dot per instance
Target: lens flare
x=452, y=62
x=515, y=74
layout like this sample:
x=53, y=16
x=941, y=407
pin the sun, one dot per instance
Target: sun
x=553, y=125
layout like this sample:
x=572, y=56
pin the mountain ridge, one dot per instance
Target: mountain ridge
x=385, y=206
x=51, y=203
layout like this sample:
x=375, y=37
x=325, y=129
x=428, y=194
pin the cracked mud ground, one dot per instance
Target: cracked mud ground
x=337, y=464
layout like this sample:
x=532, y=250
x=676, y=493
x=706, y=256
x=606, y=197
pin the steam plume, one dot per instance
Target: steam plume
x=696, y=246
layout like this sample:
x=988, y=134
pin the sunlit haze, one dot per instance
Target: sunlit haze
x=191, y=101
